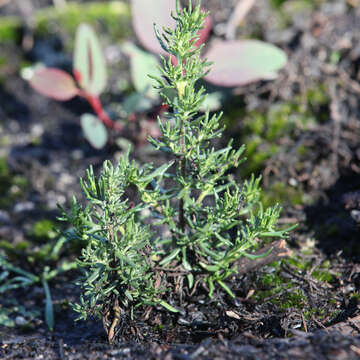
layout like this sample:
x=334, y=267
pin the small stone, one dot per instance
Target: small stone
x=4, y=217
x=183, y=321
x=293, y=182
x=77, y=154
x=37, y=130
x=237, y=302
x=11, y=233
x=355, y=214
x=20, y=321
x=23, y=206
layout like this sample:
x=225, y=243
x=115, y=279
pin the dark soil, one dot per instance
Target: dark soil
x=306, y=307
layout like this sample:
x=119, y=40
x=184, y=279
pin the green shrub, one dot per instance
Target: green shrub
x=188, y=219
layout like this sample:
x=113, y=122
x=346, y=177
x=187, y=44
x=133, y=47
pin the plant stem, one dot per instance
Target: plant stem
x=183, y=174
x=95, y=103
x=181, y=203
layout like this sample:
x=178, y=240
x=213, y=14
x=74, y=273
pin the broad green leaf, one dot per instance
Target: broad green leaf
x=94, y=130
x=240, y=62
x=54, y=83
x=145, y=14
x=89, y=62
x=143, y=64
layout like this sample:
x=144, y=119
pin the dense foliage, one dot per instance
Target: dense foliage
x=191, y=219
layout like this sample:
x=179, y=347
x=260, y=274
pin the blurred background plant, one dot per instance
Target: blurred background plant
x=89, y=70
x=45, y=263
x=236, y=63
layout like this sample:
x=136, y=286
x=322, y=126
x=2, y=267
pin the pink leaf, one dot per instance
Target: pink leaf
x=205, y=31
x=240, y=62
x=54, y=83
x=147, y=12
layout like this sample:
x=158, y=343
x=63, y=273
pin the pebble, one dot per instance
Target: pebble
x=23, y=206
x=37, y=130
x=53, y=199
x=77, y=154
x=183, y=321
x=355, y=214
x=20, y=321
x=11, y=233
x=293, y=182
x=4, y=217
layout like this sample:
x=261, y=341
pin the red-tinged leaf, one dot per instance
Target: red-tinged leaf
x=174, y=60
x=147, y=12
x=89, y=62
x=240, y=62
x=77, y=76
x=54, y=83
x=205, y=31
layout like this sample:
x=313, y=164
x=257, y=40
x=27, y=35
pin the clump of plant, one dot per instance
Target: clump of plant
x=48, y=266
x=188, y=222
x=91, y=79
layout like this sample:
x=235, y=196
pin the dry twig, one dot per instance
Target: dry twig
x=241, y=10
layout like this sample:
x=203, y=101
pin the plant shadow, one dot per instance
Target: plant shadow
x=334, y=228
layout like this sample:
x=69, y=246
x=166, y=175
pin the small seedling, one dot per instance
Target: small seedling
x=90, y=74
x=12, y=277
x=188, y=222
